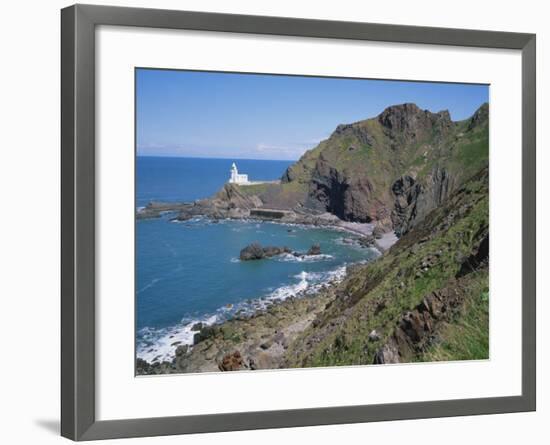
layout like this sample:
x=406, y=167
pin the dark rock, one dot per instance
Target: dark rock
x=142, y=367
x=197, y=326
x=349, y=198
x=204, y=333
x=255, y=251
x=314, y=250
x=367, y=241
x=266, y=345
x=477, y=259
x=387, y=354
x=413, y=201
x=411, y=122
x=182, y=350
x=380, y=306
x=270, y=251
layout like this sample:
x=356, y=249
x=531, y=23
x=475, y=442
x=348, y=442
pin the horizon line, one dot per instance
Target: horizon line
x=138, y=155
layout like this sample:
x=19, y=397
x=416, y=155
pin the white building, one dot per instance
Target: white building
x=237, y=178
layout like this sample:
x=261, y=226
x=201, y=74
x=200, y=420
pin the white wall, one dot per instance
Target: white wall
x=29, y=234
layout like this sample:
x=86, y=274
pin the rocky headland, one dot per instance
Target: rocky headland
x=412, y=183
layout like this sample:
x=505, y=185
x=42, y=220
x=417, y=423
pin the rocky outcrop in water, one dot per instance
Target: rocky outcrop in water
x=255, y=251
x=314, y=250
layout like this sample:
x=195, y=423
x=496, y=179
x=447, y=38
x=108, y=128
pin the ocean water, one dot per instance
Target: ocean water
x=187, y=179
x=189, y=271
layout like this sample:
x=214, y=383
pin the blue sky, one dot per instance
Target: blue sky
x=249, y=116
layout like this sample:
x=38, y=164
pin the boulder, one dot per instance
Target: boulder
x=270, y=251
x=142, y=366
x=314, y=250
x=204, y=333
x=232, y=361
x=253, y=251
x=388, y=353
x=182, y=350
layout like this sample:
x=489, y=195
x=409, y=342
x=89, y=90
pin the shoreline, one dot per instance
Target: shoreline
x=181, y=338
x=381, y=242
x=184, y=332
x=263, y=336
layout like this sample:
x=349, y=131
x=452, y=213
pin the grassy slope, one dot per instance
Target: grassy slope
x=375, y=296
x=466, y=337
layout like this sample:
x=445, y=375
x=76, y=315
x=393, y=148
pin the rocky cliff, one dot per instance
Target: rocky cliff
x=425, y=299
x=392, y=169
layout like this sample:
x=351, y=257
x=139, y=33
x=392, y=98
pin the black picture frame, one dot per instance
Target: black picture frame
x=78, y=23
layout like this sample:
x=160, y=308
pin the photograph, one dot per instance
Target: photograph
x=288, y=221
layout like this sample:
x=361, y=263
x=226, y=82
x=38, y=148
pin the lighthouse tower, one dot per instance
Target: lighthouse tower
x=237, y=178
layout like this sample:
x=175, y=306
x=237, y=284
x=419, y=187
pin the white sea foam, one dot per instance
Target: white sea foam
x=303, y=258
x=160, y=344
x=149, y=285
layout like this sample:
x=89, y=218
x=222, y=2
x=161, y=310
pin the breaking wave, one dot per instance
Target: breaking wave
x=158, y=345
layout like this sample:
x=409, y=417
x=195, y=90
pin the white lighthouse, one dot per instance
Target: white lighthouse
x=237, y=178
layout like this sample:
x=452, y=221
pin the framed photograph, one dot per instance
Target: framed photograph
x=273, y=222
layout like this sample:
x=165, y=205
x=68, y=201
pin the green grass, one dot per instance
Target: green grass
x=472, y=152
x=255, y=189
x=466, y=337
x=380, y=282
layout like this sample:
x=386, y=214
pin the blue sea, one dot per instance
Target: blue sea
x=189, y=271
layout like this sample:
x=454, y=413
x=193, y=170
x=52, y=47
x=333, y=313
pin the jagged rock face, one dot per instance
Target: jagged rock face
x=411, y=123
x=406, y=191
x=392, y=169
x=479, y=117
x=255, y=251
x=413, y=200
x=348, y=197
x=230, y=194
